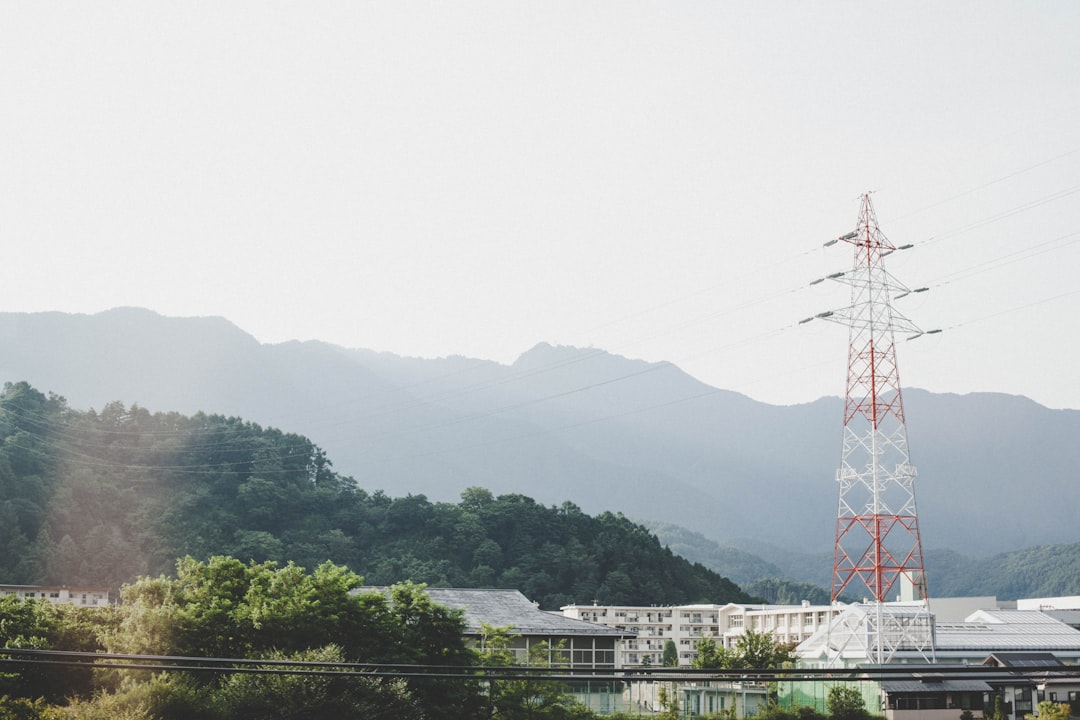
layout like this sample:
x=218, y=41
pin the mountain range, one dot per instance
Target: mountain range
x=997, y=472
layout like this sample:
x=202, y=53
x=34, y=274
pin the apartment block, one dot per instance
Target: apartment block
x=685, y=625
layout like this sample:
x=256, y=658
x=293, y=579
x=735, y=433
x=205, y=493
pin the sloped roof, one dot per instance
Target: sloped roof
x=1008, y=631
x=983, y=632
x=932, y=685
x=509, y=608
x=1069, y=617
x=846, y=626
x=1023, y=660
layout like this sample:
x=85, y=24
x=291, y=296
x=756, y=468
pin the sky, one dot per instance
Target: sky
x=654, y=179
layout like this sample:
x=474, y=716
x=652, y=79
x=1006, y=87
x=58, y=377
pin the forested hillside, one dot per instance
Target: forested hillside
x=105, y=497
x=609, y=433
x=1043, y=571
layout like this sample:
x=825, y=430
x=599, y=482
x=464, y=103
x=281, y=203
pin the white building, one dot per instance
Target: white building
x=79, y=595
x=985, y=637
x=967, y=642
x=685, y=625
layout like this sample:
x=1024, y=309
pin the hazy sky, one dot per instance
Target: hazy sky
x=651, y=178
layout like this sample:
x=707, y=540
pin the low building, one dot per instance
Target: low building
x=78, y=595
x=1006, y=638
x=933, y=696
x=1034, y=677
x=967, y=642
x=585, y=644
x=575, y=644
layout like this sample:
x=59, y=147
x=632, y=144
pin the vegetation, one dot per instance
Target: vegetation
x=845, y=702
x=759, y=577
x=1042, y=571
x=312, y=622
x=539, y=697
x=752, y=650
x=1049, y=710
x=110, y=498
x=998, y=711
x=101, y=498
x=739, y=565
x=779, y=591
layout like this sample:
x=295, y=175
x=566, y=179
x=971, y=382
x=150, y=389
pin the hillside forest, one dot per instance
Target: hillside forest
x=105, y=497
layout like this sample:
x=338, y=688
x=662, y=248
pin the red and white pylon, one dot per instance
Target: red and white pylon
x=877, y=527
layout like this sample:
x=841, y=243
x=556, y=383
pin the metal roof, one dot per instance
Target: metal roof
x=1008, y=630
x=1069, y=617
x=934, y=685
x=984, y=632
x=509, y=608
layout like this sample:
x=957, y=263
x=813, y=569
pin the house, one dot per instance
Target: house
x=1034, y=677
x=933, y=695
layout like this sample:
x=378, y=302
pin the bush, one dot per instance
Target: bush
x=846, y=703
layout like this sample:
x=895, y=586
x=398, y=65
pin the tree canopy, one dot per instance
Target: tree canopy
x=105, y=497
x=752, y=650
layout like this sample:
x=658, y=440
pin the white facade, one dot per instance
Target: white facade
x=59, y=594
x=1064, y=602
x=789, y=624
x=685, y=625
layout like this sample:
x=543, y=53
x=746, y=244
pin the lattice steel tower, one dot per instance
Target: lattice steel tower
x=877, y=528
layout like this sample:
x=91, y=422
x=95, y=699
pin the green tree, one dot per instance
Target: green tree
x=712, y=655
x=845, y=702
x=998, y=712
x=277, y=696
x=1049, y=710
x=670, y=658
x=37, y=625
x=225, y=608
x=529, y=697
x=22, y=708
x=667, y=695
x=761, y=650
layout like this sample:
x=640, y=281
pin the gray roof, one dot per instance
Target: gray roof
x=509, y=608
x=1008, y=630
x=982, y=633
x=1069, y=617
x=934, y=685
x=1024, y=659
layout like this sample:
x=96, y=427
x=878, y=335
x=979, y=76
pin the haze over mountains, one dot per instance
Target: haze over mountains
x=997, y=472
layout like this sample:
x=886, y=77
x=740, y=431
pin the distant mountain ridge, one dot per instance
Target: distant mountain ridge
x=600, y=430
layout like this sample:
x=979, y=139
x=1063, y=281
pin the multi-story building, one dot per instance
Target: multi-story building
x=685, y=625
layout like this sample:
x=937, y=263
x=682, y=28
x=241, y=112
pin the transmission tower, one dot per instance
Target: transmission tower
x=877, y=528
